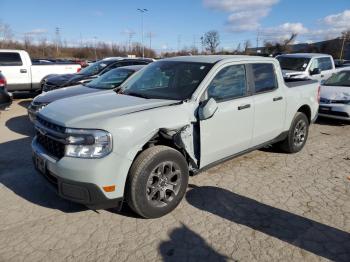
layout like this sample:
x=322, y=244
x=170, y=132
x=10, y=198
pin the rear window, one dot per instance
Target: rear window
x=10, y=59
x=264, y=77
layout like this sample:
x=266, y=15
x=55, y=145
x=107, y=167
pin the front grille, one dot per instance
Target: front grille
x=50, y=125
x=51, y=137
x=53, y=147
x=330, y=101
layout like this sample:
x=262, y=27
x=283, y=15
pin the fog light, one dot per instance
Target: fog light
x=109, y=188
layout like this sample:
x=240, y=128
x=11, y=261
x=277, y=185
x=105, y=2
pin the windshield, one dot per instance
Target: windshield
x=293, y=63
x=173, y=80
x=111, y=79
x=95, y=68
x=339, y=79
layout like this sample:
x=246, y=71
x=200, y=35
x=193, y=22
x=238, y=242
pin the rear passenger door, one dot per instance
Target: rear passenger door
x=229, y=130
x=269, y=103
x=16, y=73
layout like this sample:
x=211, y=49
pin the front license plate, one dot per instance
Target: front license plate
x=325, y=109
x=39, y=163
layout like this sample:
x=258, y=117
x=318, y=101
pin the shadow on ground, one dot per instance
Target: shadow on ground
x=21, y=125
x=331, y=122
x=186, y=245
x=317, y=238
x=18, y=174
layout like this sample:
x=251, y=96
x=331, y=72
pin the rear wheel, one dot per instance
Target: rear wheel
x=157, y=181
x=297, y=134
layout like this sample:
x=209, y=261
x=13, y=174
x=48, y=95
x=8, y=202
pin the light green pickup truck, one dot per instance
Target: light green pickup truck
x=173, y=118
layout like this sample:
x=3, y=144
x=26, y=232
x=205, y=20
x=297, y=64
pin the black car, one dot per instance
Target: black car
x=87, y=74
x=5, y=97
x=110, y=80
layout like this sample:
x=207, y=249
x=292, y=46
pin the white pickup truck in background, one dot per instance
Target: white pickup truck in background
x=23, y=75
x=307, y=66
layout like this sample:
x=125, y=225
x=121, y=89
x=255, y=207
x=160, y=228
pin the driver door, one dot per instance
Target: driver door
x=230, y=130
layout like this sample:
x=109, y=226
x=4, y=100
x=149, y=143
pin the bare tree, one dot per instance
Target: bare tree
x=247, y=45
x=211, y=41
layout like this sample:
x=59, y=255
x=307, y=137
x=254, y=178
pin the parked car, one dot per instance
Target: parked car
x=335, y=96
x=174, y=118
x=90, y=72
x=22, y=75
x=110, y=80
x=307, y=66
x=5, y=96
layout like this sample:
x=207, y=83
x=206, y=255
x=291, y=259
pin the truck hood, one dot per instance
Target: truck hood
x=83, y=110
x=335, y=93
x=294, y=74
x=49, y=97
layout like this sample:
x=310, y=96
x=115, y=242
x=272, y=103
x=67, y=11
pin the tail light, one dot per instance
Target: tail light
x=78, y=70
x=319, y=94
x=3, y=82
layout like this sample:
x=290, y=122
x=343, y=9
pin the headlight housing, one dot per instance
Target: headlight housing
x=88, y=143
x=38, y=106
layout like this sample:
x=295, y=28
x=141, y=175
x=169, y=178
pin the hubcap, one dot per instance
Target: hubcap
x=299, y=133
x=163, y=184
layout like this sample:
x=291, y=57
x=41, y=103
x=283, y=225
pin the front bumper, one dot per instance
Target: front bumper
x=335, y=111
x=82, y=180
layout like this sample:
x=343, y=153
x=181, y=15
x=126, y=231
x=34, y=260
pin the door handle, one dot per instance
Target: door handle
x=277, y=98
x=23, y=71
x=244, y=107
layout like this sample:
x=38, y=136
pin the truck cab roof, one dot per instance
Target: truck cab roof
x=306, y=55
x=212, y=59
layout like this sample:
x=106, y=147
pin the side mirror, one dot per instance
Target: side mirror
x=315, y=71
x=207, y=109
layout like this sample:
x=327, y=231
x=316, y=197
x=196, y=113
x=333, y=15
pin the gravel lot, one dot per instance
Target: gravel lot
x=264, y=206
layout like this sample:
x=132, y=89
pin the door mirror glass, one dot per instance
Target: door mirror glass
x=315, y=71
x=208, y=109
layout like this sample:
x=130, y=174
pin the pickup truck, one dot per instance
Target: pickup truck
x=173, y=118
x=307, y=66
x=23, y=75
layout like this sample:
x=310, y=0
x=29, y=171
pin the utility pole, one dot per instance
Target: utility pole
x=58, y=38
x=178, y=43
x=342, y=47
x=130, y=35
x=142, y=11
x=150, y=35
x=95, y=47
x=257, y=38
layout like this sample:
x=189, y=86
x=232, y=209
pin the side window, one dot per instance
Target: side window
x=325, y=63
x=10, y=59
x=229, y=83
x=264, y=77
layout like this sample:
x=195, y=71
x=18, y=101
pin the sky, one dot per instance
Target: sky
x=176, y=24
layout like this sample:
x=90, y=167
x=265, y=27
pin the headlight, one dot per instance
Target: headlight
x=88, y=143
x=38, y=106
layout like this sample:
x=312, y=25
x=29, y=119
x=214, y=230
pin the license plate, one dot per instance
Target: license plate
x=325, y=109
x=39, y=163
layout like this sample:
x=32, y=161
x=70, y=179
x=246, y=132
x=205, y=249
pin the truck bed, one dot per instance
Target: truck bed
x=298, y=82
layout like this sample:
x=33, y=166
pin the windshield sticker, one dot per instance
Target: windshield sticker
x=202, y=67
x=304, y=65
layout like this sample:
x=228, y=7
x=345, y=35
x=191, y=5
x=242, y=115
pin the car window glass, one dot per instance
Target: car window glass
x=314, y=65
x=10, y=59
x=325, y=63
x=229, y=83
x=264, y=77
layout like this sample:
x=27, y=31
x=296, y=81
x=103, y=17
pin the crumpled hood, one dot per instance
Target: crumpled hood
x=84, y=110
x=49, y=97
x=335, y=92
x=293, y=74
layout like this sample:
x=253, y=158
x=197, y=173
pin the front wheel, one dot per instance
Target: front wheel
x=297, y=134
x=157, y=181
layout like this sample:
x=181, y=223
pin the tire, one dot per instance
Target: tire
x=157, y=181
x=297, y=134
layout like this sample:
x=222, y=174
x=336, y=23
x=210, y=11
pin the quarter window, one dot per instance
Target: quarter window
x=10, y=59
x=229, y=83
x=264, y=77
